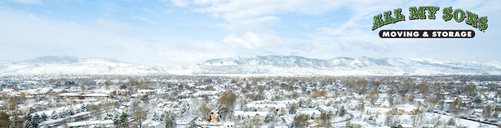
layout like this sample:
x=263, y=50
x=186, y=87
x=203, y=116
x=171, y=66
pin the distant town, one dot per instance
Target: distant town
x=168, y=101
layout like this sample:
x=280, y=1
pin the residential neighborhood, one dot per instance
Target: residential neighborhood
x=165, y=101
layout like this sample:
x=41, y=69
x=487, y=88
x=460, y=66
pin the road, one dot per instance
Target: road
x=351, y=117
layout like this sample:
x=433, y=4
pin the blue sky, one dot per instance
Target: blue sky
x=184, y=32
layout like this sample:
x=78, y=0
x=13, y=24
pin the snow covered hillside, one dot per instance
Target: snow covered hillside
x=73, y=65
x=297, y=65
x=253, y=65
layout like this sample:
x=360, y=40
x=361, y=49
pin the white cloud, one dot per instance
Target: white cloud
x=252, y=40
x=180, y=3
x=168, y=11
x=55, y=37
x=115, y=26
x=28, y=1
x=141, y=18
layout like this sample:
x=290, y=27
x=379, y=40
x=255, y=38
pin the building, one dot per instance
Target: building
x=91, y=123
x=153, y=124
x=122, y=91
x=143, y=92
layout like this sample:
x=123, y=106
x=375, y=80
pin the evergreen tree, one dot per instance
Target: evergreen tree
x=72, y=112
x=116, y=119
x=123, y=122
x=87, y=107
x=117, y=105
x=342, y=111
x=43, y=117
x=27, y=118
x=54, y=115
x=269, y=117
x=61, y=114
x=451, y=122
x=82, y=108
x=193, y=124
x=292, y=109
x=37, y=117
x=155, y=117
x=170, y=121
x=34, y=122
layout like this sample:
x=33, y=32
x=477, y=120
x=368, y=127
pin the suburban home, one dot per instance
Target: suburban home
x=212, y=116
x=405, y=126
x=370, y=110
x=122, y=92
x=143, y=92
x=228, y=125
x=93, y=123
x=359, y=124
x=243, y=114
x=153, y=124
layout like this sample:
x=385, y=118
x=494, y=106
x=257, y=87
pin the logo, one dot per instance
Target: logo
x=419, y=13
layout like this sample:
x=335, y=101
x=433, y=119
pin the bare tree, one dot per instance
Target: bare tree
x=417, y=117
x=226, y=104
x=4, y=120
x=95, y=110
x=204, y=109
x=139, y=117
x=300, y=120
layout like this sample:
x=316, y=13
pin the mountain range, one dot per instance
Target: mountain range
x=254, y=65
x=74, y=65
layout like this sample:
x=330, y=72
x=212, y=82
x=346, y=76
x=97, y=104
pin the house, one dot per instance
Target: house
x=70, y=95
x=212, y=116
x=57, y=91
x=370, y=110
x=427, y=126
x=122, y=92
x=143, y=92
x=329, y=109
x=311, y=112
x=228, y=125
x=405, y=126
x=243, y=114
x=96, y=96
x=313, y=123
x=359, y=124
x=266, y=107
x=105, y=123
x=406, y=108
x=153, y=124
x=159, y=91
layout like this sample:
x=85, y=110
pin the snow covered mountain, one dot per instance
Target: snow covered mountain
x=297, y=65
x=73, y=65
x=253, y=65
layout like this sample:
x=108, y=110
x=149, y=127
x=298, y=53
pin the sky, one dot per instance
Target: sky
x=175, y=33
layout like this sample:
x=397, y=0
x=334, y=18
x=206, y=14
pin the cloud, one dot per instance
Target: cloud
x=168, y=11
x=141, y=18
x=252, y=40
x=28, y=1
x=115, y=26
x=180, y=3
x=55, y=37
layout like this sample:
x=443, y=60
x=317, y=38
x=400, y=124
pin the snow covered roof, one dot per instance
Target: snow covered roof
x=151, y=123
x=229, y=123
x=69, y=94
x=145, y=90
x=250, y=114
x=406, y=125
x=309, y=111
x=267, y=105
x=91, y=122
x=286, y=101
x=95, y=95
